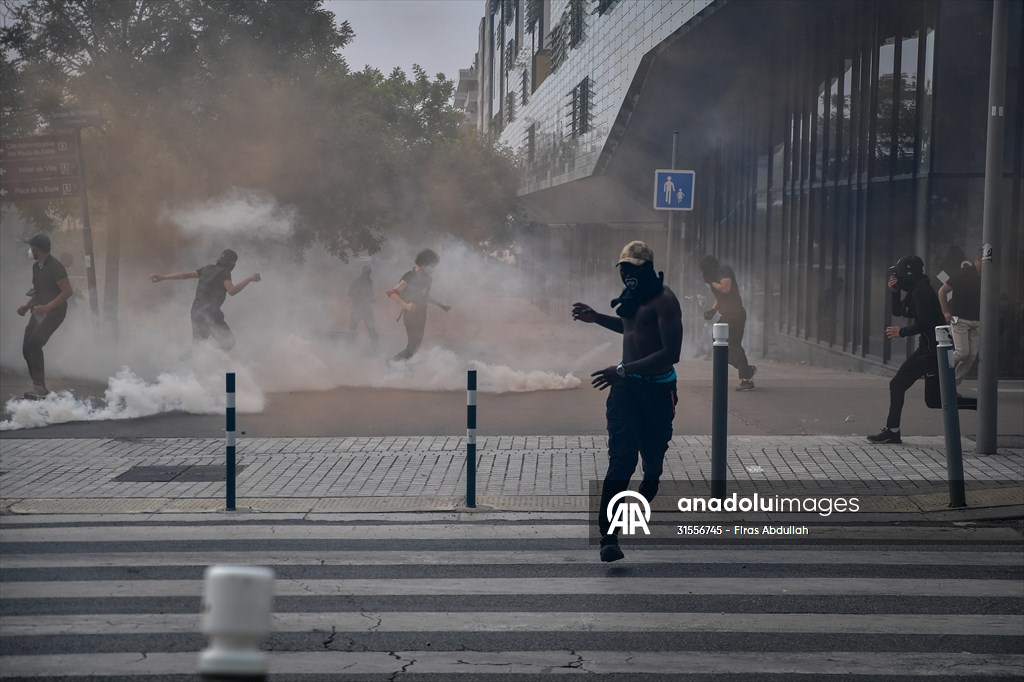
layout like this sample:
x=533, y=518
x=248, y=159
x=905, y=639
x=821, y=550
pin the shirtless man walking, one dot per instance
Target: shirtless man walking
x=642, y=400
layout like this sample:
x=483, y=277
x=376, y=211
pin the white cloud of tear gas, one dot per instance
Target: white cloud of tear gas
x=291, y=331
x=195, y=386
x=238, y=213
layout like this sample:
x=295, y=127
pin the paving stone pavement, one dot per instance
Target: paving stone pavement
x=412, y=473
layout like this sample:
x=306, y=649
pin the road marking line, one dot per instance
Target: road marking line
x=938, y=587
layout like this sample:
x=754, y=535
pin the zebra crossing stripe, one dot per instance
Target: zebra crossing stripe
x=456, y=531
x=531, y=621
x=932, y=587
x=487, y=557
x=681, y=663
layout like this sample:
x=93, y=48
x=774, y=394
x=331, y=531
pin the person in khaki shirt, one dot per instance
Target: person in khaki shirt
x=963, y=315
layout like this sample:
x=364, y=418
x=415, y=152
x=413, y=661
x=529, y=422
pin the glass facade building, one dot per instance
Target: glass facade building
x=829, y=139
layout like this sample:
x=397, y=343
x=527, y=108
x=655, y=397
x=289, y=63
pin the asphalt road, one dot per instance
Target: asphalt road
x=512, y=593
x=789, y=400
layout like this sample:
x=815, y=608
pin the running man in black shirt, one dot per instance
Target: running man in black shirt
x=214, y=286
x=413, y=294
x=729, y=306
x=48, y=303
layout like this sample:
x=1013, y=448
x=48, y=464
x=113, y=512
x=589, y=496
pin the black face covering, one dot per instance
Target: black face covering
x=642, y=284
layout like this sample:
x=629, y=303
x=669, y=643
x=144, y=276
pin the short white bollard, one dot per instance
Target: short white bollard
x=237, y=604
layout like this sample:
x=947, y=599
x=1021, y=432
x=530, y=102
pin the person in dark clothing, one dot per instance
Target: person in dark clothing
x=963, y=314
x=214, y=286
x=642, y=402
x=361, y=293
x=729, y=306
x=413, y=294
x=922, y=305
x=48, y=303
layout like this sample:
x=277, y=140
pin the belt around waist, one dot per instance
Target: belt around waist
x=666, y=378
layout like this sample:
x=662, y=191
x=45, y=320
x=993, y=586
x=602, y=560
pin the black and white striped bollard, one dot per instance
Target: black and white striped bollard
x=951, y=417
x=719, y=407
x=230, y=465
x=471, y=438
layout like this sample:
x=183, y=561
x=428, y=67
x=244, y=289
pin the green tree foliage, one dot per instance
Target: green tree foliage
x=202, y=96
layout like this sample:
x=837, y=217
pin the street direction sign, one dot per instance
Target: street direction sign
x=673, y=189
x=75, y=118
x=39, y=167
x=40, y=189
x=38, y=147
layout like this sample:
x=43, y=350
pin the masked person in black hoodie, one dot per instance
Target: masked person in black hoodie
x=642, y=400
x=922, y=305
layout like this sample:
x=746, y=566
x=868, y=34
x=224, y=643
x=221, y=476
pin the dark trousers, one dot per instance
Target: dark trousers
x=913, y=368
x=639, y=422
x=415, y=324
x=207, y=323
x=737, y=356
x=36, y=335
x=362, y=313
x=919, y=364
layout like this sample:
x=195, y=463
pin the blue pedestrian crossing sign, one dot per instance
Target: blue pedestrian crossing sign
x=673, y=189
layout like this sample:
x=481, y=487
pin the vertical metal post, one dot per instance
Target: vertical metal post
x=950, y=418
x=471, y=438
x=671, y=219
x=230, y=428
x=719, y=408
x=988, y=358
x=90, y=257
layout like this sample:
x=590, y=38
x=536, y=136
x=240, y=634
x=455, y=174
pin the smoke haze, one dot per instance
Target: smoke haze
x=292, y=327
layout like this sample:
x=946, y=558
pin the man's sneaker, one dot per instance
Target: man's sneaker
x=886, y=436
x=745, y=385
x=753, y=371
x=37, y=393
x=610, y=550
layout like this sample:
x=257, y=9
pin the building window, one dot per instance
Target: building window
x=559, y=45
x=605, y=6
x=511, y=52
x=526, y=88
x=534, y=14
x=885, y=107
x=575, y=22
x=510, y=107
x=580, y=109
x=531, y=143
x=906, y=107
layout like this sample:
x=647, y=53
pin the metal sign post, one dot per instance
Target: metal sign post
x=988, y=359
x=90, y=258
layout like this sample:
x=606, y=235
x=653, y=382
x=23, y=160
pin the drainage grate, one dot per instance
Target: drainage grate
x=196, y=473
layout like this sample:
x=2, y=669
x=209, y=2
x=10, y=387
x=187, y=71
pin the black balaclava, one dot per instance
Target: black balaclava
x=642, y=284
x=228, y=259
x=909, y=271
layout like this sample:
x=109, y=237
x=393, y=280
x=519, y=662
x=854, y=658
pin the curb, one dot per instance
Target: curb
x=998, y=504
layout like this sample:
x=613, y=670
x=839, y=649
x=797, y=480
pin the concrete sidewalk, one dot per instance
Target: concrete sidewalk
x=521, y=473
